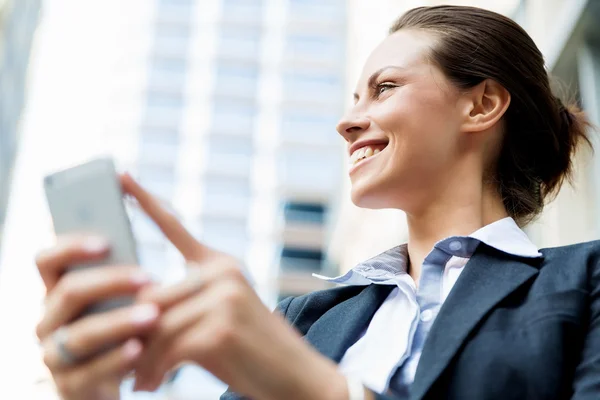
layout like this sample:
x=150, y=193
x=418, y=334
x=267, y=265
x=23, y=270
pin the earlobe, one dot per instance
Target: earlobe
x=488, y=102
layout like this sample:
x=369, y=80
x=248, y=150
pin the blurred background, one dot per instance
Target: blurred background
x=227, y=110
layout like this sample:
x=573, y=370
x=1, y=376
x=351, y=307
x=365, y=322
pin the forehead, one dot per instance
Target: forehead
x=405, y=48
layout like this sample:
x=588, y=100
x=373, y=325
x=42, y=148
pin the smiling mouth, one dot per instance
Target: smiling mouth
x=366, y=152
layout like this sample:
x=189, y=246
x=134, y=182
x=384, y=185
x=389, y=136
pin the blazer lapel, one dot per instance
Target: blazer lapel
x=340, y=327
x=487, y=279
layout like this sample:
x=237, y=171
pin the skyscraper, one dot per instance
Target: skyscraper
x=226, y=109
x=18, y=20
x=237, y=128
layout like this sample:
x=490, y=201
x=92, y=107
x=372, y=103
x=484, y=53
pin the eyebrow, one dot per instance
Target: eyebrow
x=376, y=75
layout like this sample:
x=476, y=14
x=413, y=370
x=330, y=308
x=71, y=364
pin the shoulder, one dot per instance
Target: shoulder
x=588, y=252
x=302, y=311
x=579, y=261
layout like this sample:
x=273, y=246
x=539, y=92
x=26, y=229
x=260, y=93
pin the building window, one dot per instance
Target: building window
x=165, y=100
x=161, y=136
x=158, y=145
x=187, y=3
x=303, y=212
x=233, y=117
x=145, y=230
x=157, y=178
x=167, y=71
x=230, y=144
x=239, y=43
x=172, y=37
x=317, y=10
x=229, y=154
x=173, y=31
x=309, y=127
x=242, y=10
x=312, y=87
x=308, y=170
x=225, y=195
x=149, y=152
x=301, y=260
x=315, y=47
x=235, y=80
x=168, y=65
x=153, y=259
x=225, y=234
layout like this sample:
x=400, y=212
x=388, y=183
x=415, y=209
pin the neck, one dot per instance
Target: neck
x=459, y=215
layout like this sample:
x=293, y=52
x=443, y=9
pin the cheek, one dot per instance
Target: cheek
x=421, y=126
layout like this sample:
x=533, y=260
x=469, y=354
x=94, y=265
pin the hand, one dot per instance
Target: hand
x=216, y=320
x=97, y=374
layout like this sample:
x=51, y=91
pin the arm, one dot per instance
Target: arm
x=282, y=309
x=586, y=385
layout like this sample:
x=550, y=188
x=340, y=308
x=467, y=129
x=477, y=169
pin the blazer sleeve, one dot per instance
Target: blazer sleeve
x=586, y=385
x=282, y=308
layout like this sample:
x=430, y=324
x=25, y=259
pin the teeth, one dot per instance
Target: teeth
x=361, y=153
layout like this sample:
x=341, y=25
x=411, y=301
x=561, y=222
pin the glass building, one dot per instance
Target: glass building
x=237, y=130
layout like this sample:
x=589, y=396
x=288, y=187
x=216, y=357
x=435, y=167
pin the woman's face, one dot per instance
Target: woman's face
x=403, y=131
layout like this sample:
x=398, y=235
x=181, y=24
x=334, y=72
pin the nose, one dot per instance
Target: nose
x=351, y=125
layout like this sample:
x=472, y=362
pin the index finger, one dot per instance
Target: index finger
x=170, y=226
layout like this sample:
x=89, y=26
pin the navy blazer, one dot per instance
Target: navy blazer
x=511, y=327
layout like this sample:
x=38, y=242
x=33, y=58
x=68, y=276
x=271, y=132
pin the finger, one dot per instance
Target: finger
x=196, y=280
x=189, y=247
x=167, y=296
x=158, y=359
x=79, y=289
x=69, y=250
x=91, y=335
x=114, y=365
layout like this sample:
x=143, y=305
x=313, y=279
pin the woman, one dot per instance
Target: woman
x=453, y=122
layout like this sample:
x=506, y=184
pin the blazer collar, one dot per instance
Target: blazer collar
x=488, y=278
x=341, y=326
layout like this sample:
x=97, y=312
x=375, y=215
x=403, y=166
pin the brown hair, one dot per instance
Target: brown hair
x=541, y=133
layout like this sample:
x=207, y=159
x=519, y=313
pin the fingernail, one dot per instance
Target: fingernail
x=132, y=349
x=144, y=313
x=95, y=244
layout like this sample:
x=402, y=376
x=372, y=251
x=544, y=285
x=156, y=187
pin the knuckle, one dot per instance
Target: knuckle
x=171, y=356
x=232, y=294
x=67, y=290
x=39, y=331
x=236, y=274
x=47, y=359
x=41, y=259
x=64, y=385
x=224, y=337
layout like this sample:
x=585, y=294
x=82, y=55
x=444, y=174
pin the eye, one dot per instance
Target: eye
x=384, y=87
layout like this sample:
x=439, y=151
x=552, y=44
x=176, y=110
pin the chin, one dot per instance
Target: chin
x=368, y=197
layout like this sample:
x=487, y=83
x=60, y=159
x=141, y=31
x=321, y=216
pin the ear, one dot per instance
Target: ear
x=485, y=105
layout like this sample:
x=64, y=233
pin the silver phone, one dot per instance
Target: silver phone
x=88, y=199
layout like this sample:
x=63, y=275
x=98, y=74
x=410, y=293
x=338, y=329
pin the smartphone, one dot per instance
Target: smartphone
x=88, y=199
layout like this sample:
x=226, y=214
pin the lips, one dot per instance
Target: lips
x=373, y=143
